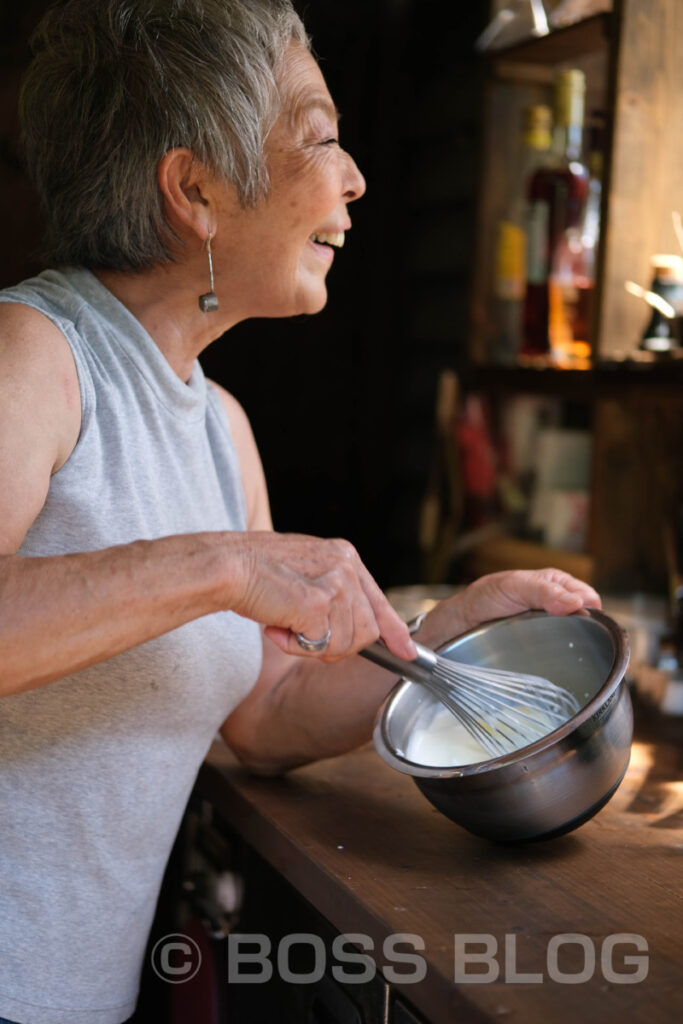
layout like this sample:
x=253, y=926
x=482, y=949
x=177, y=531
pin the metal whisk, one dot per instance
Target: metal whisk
x=503, y=711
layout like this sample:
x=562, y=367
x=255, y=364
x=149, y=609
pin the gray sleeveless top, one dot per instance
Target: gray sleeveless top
x=96, y=769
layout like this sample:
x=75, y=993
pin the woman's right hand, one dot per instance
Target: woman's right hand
x=298, y=584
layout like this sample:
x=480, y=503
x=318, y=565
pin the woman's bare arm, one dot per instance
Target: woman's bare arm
x=63, y=613
x=302, y=709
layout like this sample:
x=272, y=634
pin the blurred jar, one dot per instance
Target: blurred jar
x=663, y=334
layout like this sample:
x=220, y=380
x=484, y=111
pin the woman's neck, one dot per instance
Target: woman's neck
x=165, y=301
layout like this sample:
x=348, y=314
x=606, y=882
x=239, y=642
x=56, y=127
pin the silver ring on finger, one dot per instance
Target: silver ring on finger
x=313, y=646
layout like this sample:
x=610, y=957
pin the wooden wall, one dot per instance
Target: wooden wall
x=646, y=172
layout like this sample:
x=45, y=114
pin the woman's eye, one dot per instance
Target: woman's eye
x=330, y=142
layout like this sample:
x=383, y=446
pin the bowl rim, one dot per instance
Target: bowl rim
x=621, y=648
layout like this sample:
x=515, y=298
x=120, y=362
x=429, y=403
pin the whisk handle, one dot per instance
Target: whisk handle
x=420, y=669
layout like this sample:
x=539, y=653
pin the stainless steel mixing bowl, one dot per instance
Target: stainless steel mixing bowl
x=551, y=786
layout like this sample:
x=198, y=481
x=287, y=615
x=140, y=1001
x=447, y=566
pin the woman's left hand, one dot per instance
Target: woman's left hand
x=506, y=593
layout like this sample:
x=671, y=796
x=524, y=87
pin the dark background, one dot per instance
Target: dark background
x=342, y=403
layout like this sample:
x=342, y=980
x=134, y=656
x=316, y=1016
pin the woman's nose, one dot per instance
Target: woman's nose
x=354, y=182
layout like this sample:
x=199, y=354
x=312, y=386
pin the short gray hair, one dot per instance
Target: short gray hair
x=115, y=84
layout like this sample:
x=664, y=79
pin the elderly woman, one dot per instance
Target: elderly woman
x=187, y=156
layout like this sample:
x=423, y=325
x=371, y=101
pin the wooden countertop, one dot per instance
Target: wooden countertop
x=361, y=844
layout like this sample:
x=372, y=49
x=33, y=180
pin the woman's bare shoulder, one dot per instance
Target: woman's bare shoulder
x=40, y=414
x=27, y=335
x=36, y=358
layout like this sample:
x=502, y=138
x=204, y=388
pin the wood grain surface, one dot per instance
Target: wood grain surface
x=362, y=845
x=645, y=180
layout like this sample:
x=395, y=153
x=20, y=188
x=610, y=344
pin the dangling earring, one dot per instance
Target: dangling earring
x=208, y=303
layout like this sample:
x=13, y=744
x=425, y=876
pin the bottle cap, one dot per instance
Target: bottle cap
x=570, y=94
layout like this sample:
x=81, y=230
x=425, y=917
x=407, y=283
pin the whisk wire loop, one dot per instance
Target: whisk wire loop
x=502, y=710
x=466, y=715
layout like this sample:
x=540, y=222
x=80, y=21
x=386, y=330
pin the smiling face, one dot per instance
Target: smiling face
x=278, y=253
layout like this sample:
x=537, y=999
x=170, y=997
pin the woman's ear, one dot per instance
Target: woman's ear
x=188, y=191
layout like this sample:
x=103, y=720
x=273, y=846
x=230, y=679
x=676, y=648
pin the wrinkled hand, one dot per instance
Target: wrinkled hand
x=500, y=594
x=298, y=584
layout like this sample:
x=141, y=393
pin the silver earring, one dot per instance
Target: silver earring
x=208, y=303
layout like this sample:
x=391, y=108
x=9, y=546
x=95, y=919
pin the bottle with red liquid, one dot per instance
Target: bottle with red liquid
x=558, y=192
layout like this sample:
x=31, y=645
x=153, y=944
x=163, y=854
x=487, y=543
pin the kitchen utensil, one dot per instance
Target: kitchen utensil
x=561, y=780
x=501, y=710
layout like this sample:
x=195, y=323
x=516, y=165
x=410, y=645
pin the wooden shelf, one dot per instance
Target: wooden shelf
x=592, y=35
x=604, y=380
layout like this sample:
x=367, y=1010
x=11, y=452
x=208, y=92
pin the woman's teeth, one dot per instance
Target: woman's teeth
x=335, y=238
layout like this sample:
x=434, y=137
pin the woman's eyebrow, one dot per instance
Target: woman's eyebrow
x=322, y=103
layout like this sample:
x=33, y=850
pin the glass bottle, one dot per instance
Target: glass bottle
x=558, y=192
x=511, y=241
x=571, y=285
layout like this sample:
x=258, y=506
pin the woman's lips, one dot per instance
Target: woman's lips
x=323, y=252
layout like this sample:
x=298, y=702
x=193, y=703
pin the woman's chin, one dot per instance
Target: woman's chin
x=317, y=307
x=312, y=301
x=303, y=302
